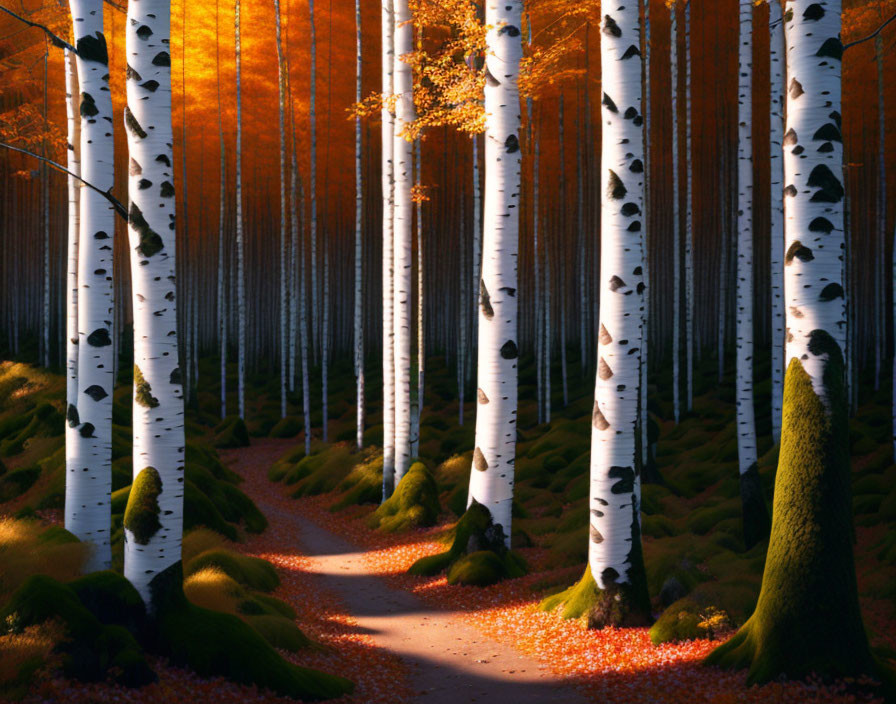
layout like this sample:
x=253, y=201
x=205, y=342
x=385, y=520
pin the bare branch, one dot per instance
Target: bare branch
x=870, y=36
x=116, y=204
x=56, y=40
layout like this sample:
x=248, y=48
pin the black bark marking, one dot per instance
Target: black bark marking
x=88, y=106
x=479, y=462
x=174, y=378
x=93, y=48
x=97, y=393
x=831, y=292
x=630, y=52
x=596, y=537
x=144, y=31
x=151, y=86
x=510, y=30
x=611, y=28
x=790, y=138
x=596, y=514
x=615, y=188
x=634, y=226
x=167, y=190
x=832, y=49
x=630, y=114
x=71, y=415
x=625, y=480
x=821, y=225
x=143, y=184
x=828, y=133
x=509, y=350
x=609, y=576
x=790, y=191
x=814, y=12
x=830, y=190
x=616, y=283
x=637, y=167
x=798, y=251
x=512, y=144
x=131, y=122
x=796, y=89
x=835, y=116
x=630, y=209
x=485, y=301
x=609, y=104
x=132, y=73
x=101, y=236
x=597, y=418
x=86, y=430
x=161, y=59
x=99, y=338
x=163, y=159
x=150, y=241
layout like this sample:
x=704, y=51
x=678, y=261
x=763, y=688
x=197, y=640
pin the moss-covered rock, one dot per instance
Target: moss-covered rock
x=17, y=482
x=287, y=427
x=280, y=632
x=474, y=534
x=363, y=485
x=249, y=571
x=413, y=504
x=231, y=432
x=682, y=620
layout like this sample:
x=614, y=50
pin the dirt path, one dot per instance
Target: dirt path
x=449, y=661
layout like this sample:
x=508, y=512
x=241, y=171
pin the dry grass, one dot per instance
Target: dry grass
x=211, y=588
x=199, y=540
x=23, y=554
x=22, y=654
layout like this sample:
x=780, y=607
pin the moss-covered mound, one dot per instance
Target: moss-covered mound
x=231, y=432
x=413, y=504
x=213, y=643
x=478, y=555
x=363, y=485
x=287, y=427
x=618, y=605
x=252, y=572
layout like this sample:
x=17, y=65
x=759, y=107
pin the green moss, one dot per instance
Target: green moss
x=143, y=391
x=807, y=618
x=679, y=622
x=414, y=503
x=200, y=511
x=213, y=644
x=231, y=432
x=249, y=571
x=363, y=485
x=756, y=521
x=274, y=606
x=244, y=509
x=287, y=427
x=17, y=482
x=478, y=569
x=280, y=632
x=112, y=599
x=141, y=517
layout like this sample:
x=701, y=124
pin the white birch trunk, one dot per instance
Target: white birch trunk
x=222, y=261
x=359, y=252
x=240, y=274
x=746, y=425
x=312, y=128
x=284, y=321
x=676, y=225
x=477, y=238
x=403, y=218
x=421, y=331
x=88, y=488
x=73, y=439
x=158, y=392
x=776, y=166
x=689, y=218
x=615, y=475
x=491, y=480
x=388, y=146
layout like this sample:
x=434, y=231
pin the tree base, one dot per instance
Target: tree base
x=618, y=605
x=756, y=522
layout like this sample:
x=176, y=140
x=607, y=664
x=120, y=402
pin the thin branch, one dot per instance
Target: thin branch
x=870, y=36
x=116, y=204
x=57, y=41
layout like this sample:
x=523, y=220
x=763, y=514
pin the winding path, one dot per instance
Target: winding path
x=449, y=661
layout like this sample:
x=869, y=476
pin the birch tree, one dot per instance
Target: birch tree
x=284, y=322
x=153, y=521
x=807, y=619
x=776, y=181
x=402, y=219
x=359, y=264
x=89, y=485
x=676, y=223
x=755, y=515
x=240, y=274
x=388, y=146
x=491, y=479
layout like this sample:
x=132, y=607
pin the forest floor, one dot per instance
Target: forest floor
x=442, y=659
x=467, y=644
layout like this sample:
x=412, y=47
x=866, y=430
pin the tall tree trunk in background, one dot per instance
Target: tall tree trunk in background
x=186, y=276
x=222, y=261
x=388, y=178
x=403, y=159
x=642, y=420
x=676, y=224
x=45, y=206
x=240, y=274
x=491, y=480
x=312, y=187
x=89, y=486
x=421, y=330
x=755, y=514
x=284, y=204
x=614, y=554
x=477, y=239
x=777, y=74
x=359, y=252
x=73, y=439
x=807, y=619
x=689, y=217
x=561, y=263
x=153, y=521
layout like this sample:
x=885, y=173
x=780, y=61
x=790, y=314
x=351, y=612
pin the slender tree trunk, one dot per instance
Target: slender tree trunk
x=807, y=619
x=777, y=71
x=642, y=420
x=222, y=262
x=74, y=442
x=312, y=128
x=491, y=480
x=676, y=225
x=88, y=487
x=421, y=331
x=755, y=514
x=388, y=178
x=689, y=217
x=284, y=204
x=477, y=239
x=403, y=219
x=45, y=205
x=359, y=252
x=153, y=542
x=561, y=261
x=240, y=274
